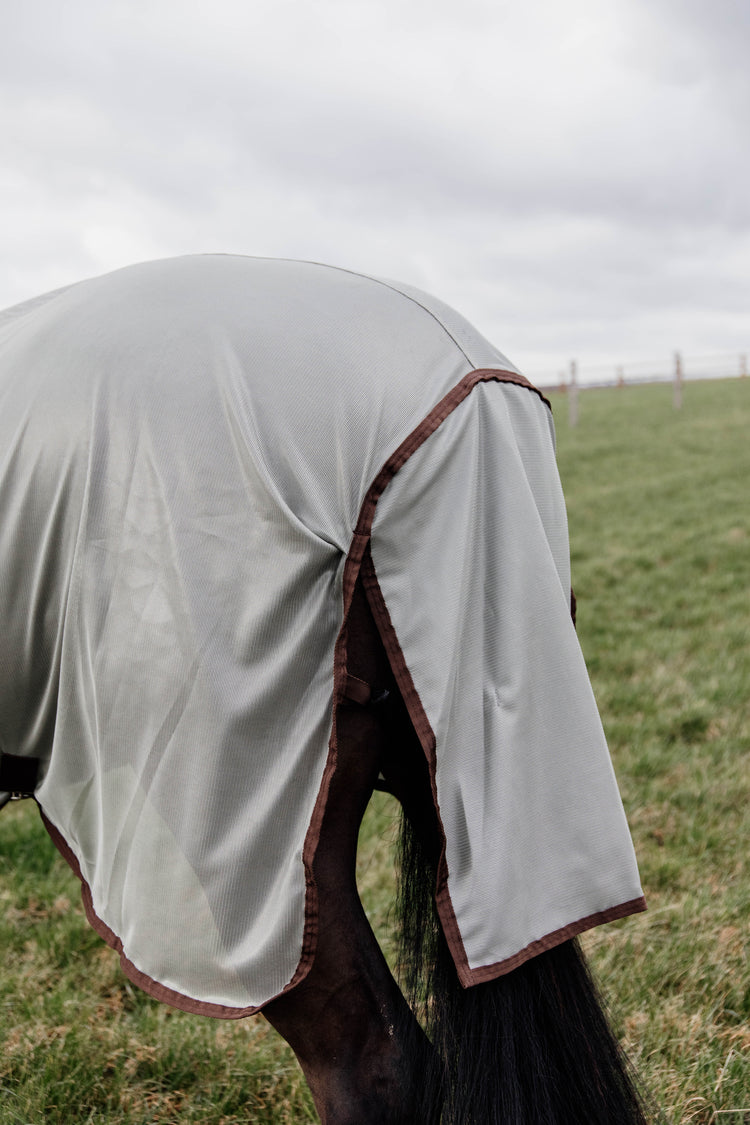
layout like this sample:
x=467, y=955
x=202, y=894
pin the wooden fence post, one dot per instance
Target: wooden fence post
x=620, y=376
x=573, y=395
x=677, y=388
x=743, y=366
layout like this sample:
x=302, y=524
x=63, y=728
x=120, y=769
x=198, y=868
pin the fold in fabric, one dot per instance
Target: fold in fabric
x=186, y=450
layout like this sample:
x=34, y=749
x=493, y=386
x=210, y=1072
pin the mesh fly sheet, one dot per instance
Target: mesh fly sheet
x=197, y=457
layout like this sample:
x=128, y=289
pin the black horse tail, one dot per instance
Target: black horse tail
x=533, y=1047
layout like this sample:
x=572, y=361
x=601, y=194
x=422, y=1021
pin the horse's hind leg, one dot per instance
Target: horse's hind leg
x=347, y=1021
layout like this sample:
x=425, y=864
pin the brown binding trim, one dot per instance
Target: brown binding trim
x=359, y=560
x=359, y=563
x=352, y=568
x=427, y=739
x=427, y=426
x=152, y=987
x=557, y=937
x=466, y=975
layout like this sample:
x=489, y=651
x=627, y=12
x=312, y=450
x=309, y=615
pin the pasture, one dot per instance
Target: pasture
x=660, y=533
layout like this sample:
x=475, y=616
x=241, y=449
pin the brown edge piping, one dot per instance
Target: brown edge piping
x=148, y=984
x=356, y=562
x=359, y=560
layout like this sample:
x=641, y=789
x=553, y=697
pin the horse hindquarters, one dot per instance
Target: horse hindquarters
x=357, y=1041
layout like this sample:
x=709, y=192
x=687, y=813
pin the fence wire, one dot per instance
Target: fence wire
x=725, y=365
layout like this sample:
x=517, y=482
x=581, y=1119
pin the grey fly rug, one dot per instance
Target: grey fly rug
x=197, y=458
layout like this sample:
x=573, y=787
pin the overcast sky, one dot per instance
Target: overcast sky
x=572, y=175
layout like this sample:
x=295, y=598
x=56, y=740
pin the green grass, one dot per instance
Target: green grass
x=81, y=1044
x=660, y=533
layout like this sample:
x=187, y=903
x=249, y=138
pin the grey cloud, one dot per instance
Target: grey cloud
x=564, y=175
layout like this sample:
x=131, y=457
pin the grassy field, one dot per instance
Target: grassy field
x=660, y=532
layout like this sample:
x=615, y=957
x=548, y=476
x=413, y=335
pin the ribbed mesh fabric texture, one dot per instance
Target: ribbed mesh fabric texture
x=185, y=450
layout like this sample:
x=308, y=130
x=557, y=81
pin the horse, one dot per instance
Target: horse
x=277, y=535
